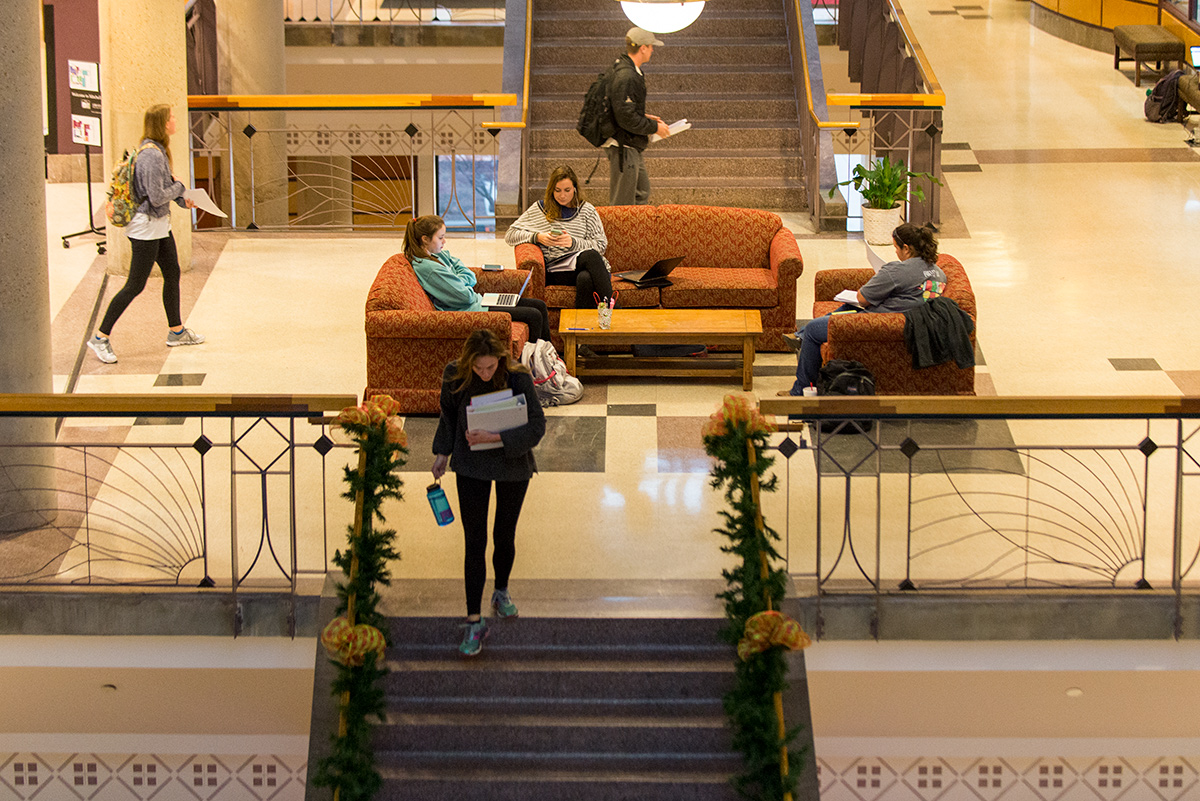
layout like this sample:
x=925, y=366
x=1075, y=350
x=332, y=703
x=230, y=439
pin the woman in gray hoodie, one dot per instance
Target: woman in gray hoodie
x=154, y=188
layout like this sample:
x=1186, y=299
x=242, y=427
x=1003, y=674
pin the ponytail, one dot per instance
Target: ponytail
x=919, y=239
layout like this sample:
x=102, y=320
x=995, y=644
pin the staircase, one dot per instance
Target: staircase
x=729, y=73
x=558, y=710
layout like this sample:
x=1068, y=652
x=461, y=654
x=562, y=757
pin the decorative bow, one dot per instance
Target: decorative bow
x=767, y=629
x=351, y=644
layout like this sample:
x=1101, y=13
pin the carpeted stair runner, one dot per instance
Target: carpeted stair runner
x=729, y=73
x=595, y=709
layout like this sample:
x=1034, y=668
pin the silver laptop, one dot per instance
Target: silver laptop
x=505, y=300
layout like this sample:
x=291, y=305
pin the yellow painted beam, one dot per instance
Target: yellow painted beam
x=235, y=102
x=131, y=405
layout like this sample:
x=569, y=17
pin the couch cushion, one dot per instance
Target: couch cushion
x=630, y=297
x=633, y=237
x=714, y=236
x=700, y=287
x=396, y=287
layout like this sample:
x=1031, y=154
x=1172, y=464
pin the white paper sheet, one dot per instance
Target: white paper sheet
x=203, y=201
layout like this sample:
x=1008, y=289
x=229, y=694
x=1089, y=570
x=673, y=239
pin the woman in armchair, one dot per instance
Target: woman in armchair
x=898, y=286
x=571, y=236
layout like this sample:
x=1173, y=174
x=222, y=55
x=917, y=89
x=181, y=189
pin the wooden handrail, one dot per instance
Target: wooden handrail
x=808, y=83
x=127, y=405
x=1028, y=407
x=302, y=102
x=525, y=85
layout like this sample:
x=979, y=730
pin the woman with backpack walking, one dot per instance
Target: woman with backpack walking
x=568, y=230
x=485, y=366
x=154, y=189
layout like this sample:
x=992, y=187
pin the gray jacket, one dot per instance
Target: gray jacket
x=153, y=183
x=513, y=462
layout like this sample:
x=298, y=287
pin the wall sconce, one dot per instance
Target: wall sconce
x=662, y=16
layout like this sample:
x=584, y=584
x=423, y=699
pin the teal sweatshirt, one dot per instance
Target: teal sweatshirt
x=448, y=282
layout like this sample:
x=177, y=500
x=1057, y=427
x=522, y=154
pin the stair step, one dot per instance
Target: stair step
x=721, y=140
x=673, y=107
x=587, y=7
x=535, y=684
x=698, y=55
x=610, y=24
x=538, y=631
x=678, y=164
x=573, y=81
x=563, y=707
x=498, y=761
x=568, y=736
x=469, y=784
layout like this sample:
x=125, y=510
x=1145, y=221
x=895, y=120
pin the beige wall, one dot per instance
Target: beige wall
x=393, y=70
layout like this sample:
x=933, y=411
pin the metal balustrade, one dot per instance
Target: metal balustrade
x=929, y=494
x=229, y=492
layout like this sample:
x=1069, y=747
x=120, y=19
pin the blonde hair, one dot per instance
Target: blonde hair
x=154, y=127
x=484, y=342
x=416, y=231
x=549, y=204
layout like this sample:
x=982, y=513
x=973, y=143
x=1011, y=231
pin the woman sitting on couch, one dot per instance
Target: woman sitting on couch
x=898, y=286
x=450, y=284
x=571, y=236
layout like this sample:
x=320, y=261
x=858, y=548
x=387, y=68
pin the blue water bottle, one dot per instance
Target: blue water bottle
x=441, y=507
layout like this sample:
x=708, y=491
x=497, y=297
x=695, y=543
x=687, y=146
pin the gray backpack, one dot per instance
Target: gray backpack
x=554, y=385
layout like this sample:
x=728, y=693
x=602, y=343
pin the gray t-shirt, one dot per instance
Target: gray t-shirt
x=901, y=285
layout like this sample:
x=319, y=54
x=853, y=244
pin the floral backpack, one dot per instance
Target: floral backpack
x=554, y=385
x=122, y=205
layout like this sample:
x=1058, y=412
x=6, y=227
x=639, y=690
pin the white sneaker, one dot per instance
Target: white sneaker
x=185, y=337
x=103, y=350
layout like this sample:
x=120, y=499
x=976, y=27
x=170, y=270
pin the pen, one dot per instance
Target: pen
x=579, y=329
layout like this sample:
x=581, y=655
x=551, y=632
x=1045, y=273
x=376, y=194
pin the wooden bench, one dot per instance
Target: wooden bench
x=1146, y=43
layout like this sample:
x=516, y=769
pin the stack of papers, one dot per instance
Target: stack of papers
x=673, y=128
x=848, y=296
x=496, y=412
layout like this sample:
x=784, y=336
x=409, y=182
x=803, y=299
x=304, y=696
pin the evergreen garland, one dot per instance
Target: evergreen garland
x=357, y=637
x=736, y=436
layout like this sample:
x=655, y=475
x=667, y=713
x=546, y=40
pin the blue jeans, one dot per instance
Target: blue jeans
x=808, y=364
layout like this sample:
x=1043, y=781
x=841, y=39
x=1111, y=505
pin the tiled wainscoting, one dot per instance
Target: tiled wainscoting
x=1166, y=778
x=139, y=777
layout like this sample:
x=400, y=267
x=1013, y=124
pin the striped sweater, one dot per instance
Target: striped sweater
x=585, y=228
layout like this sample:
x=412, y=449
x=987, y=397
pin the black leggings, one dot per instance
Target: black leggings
x=590, y=276
x=532, y=312
x=145, y=253
x=473, y=497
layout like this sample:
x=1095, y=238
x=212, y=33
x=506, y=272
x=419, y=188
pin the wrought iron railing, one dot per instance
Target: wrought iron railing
x=925, y=494
x=396, y=12
x=898, y=115
x=227, y=492
x=346, y=162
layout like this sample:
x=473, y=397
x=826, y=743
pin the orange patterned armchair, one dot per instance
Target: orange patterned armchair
x=409, y=342
x=733, y=259
x=877, y=340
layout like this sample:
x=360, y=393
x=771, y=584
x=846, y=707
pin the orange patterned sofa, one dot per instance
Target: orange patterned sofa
x=409, y=342
x=877, y=340
x=733, y=259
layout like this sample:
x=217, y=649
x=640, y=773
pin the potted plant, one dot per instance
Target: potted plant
x=883, y=185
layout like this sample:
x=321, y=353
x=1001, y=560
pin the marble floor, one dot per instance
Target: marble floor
x=1071, y=215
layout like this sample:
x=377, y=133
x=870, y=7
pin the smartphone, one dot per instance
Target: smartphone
x=556, y=231
x=491, y=267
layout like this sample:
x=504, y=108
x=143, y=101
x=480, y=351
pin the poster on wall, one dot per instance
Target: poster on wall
x=83, y=79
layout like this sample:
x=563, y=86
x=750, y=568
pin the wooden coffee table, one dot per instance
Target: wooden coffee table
x=663, y=327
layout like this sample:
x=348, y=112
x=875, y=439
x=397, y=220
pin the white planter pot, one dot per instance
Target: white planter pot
x=878, y=224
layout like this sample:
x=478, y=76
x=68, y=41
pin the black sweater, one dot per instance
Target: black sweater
x=938, y=331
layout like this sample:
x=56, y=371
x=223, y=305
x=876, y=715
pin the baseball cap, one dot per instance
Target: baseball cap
x=641, y=36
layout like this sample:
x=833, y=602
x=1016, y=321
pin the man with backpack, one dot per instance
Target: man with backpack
x=628, y=181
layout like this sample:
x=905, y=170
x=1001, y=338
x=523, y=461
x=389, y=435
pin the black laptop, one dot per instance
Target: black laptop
x=655, y=276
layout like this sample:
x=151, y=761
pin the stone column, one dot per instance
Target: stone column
x=250, y=50
x=27, y=496
x=143, y=61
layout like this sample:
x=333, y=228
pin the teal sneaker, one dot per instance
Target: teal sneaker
x=476, y=632
x=502, y=604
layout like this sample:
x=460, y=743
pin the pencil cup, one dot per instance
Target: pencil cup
x=605, y=316
x=810, y=392
x=441, y=507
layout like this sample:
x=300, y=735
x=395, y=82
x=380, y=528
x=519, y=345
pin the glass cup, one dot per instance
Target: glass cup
x=605, y=316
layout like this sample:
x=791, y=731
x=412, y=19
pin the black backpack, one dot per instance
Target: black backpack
x=845, y=377
x=1162, y=101
x=596, y=123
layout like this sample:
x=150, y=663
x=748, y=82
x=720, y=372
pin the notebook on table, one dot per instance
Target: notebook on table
x=505, y=300
x=655, y=276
